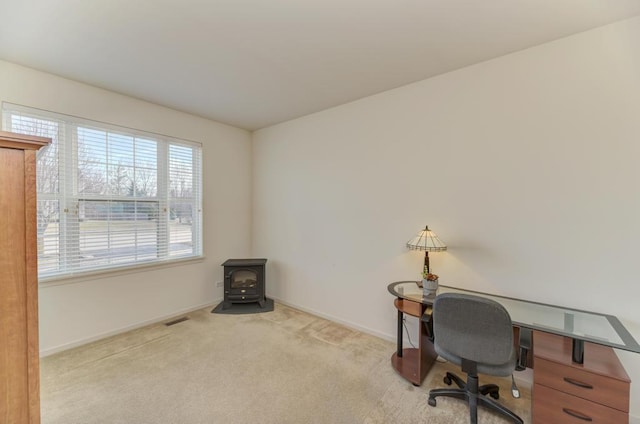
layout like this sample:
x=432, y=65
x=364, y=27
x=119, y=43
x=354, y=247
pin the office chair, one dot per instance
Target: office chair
x=475, y=333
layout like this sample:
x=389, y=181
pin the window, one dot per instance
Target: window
x=110, y=197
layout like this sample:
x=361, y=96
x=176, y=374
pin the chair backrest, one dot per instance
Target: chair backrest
x=473, y=328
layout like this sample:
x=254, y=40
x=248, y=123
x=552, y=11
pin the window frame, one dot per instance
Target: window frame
x=69, y=199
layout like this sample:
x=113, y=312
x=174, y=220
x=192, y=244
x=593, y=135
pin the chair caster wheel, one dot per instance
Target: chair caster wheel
x=495, y=395
x=432, y=401
x=447, y=380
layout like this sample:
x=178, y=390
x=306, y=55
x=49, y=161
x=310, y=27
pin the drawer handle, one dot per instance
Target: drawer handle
x=578, y=383
x=576, y=414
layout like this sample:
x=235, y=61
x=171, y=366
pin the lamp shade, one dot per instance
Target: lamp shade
x=426, y=240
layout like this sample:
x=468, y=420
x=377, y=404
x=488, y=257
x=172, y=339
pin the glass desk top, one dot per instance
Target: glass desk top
x=579, y=325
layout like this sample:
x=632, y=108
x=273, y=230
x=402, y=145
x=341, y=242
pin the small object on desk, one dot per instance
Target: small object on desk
x=426, y=315
x=426, y=321
x=429, y=284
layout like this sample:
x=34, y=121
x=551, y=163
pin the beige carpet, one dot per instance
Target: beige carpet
x=279, y=367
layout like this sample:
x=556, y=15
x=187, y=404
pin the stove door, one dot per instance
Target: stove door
x=243, y=279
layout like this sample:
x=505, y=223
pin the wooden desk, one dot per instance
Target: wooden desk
x=577, y=378
x=413, y=363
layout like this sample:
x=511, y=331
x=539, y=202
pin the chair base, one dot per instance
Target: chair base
x=473, y=394
x=492, y=390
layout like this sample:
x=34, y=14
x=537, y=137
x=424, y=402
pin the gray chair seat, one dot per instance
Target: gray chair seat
x=502, y=370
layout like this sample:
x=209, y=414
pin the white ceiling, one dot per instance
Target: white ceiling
x=254, y=63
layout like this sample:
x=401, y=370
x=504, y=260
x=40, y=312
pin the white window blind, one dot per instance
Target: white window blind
x=109, y=196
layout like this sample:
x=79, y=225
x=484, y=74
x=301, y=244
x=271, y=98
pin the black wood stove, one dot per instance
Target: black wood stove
x=244, y=281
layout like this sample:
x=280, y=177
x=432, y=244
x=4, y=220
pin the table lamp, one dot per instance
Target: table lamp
x=428, y=241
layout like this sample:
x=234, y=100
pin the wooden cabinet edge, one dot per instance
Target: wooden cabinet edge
x=11, y=140
x=29, y=145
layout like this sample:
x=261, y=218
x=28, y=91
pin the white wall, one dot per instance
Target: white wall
x=526, y=166
x=88, y=309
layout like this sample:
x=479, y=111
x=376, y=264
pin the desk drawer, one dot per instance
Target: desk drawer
x=594, y=387
x=554, y=407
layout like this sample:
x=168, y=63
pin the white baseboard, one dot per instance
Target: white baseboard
x=384, y=336
x=76, y=343
x=71, y=345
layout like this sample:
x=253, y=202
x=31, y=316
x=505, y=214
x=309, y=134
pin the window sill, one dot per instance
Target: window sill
x=114, y=272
